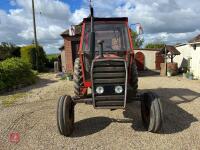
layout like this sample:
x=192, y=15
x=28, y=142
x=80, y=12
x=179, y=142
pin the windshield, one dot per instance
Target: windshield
x=115, y=37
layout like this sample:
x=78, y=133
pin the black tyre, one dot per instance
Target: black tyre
x=151, y=111
x=65, y=115
x=78, y=78
x=133, y=86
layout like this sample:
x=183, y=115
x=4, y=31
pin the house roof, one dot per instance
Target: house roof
x=170, y=49
x=180, y=44
x=195, y=39
x=147, y=49
x=107, y=19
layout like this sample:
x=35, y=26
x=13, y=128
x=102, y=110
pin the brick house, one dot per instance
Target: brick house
x=69, y=50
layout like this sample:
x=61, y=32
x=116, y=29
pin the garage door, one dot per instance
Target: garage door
x=159, y=60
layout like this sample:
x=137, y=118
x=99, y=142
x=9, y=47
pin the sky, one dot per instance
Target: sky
x=169, y=21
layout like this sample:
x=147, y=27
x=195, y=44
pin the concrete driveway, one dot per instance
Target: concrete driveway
x=31, y=113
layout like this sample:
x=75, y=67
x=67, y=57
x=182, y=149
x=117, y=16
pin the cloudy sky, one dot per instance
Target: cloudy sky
x=169, y=21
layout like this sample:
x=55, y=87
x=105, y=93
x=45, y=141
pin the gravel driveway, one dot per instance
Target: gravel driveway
x=32, y=113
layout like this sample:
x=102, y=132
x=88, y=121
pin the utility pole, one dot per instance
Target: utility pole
x=35, y=33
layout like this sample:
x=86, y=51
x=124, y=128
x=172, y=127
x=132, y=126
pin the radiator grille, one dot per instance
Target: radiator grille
x=108, y=74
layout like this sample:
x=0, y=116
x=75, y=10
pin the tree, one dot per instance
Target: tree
x=28, y=54
x=137, y=41
x=155, y=45
x=8, y=50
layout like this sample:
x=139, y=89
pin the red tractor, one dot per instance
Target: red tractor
x=106, y=65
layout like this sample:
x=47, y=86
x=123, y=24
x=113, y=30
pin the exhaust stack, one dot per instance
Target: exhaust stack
x=92, y=33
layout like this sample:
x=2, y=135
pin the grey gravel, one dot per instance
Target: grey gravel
x=33, y=116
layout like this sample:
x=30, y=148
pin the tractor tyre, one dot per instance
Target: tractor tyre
x=151, y=111
x=78, y=78
x=133, y=86
x=65, y=115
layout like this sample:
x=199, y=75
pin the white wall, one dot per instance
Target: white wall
x=195, y=62
x=186, y=52
x=149, y=59
x=63, y=61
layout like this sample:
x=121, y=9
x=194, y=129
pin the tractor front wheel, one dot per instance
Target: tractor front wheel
x=65, y=115
x=78, y=78
x=151, y=111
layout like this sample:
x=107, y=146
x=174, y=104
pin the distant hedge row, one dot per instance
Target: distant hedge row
x=29, y=54
x=15, y=72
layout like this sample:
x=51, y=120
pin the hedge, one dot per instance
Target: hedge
x=28, y=54
x=8, y=50
x=15, y=72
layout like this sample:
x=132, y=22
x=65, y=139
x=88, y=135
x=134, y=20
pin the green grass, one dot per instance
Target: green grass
x=50, y=56
x=8, y=101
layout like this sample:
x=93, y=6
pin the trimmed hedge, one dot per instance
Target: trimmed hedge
x=15, y=72
x=28, y=54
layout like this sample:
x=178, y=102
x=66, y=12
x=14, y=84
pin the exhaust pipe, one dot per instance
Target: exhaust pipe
x=92, y=34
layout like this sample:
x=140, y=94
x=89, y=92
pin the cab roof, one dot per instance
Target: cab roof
x=123, y=19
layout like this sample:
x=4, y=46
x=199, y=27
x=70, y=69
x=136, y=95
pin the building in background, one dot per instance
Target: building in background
x=190, y=56
x=148, y=59
x=69, y=51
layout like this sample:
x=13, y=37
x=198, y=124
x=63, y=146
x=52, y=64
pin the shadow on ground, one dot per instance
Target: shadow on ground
x=175, y=120
x=95, y=124
x=147, y=73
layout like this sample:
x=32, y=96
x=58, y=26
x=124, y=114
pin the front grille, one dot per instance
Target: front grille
x=108, y=74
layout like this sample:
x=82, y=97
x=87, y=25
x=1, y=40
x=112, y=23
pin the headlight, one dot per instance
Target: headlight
x=99, y=89
x=118, y=89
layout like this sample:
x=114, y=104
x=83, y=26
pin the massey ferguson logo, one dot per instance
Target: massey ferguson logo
x=14, y=137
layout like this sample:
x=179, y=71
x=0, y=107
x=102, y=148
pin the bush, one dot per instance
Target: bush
x=28, y=54
x=51, y=58
x=15, y=72
x=8, y=50
x=155, y=45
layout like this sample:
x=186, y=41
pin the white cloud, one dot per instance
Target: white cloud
x=78, y=15
x=52, y=18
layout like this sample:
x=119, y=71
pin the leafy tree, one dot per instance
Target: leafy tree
x=155, y=45
x=8, y=50
x=137, y=41
x=32, y=55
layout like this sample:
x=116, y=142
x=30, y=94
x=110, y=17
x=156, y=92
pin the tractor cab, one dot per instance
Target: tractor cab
x=112, y=33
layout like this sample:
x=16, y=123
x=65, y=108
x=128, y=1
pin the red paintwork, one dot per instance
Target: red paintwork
x=88, y=84
x=131, y=52
x=139, y=57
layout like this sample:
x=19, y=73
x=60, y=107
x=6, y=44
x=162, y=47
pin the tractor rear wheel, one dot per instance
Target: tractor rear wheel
x=78, y=78
x=65, y=115
x=133, y=86
x=151, y=111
